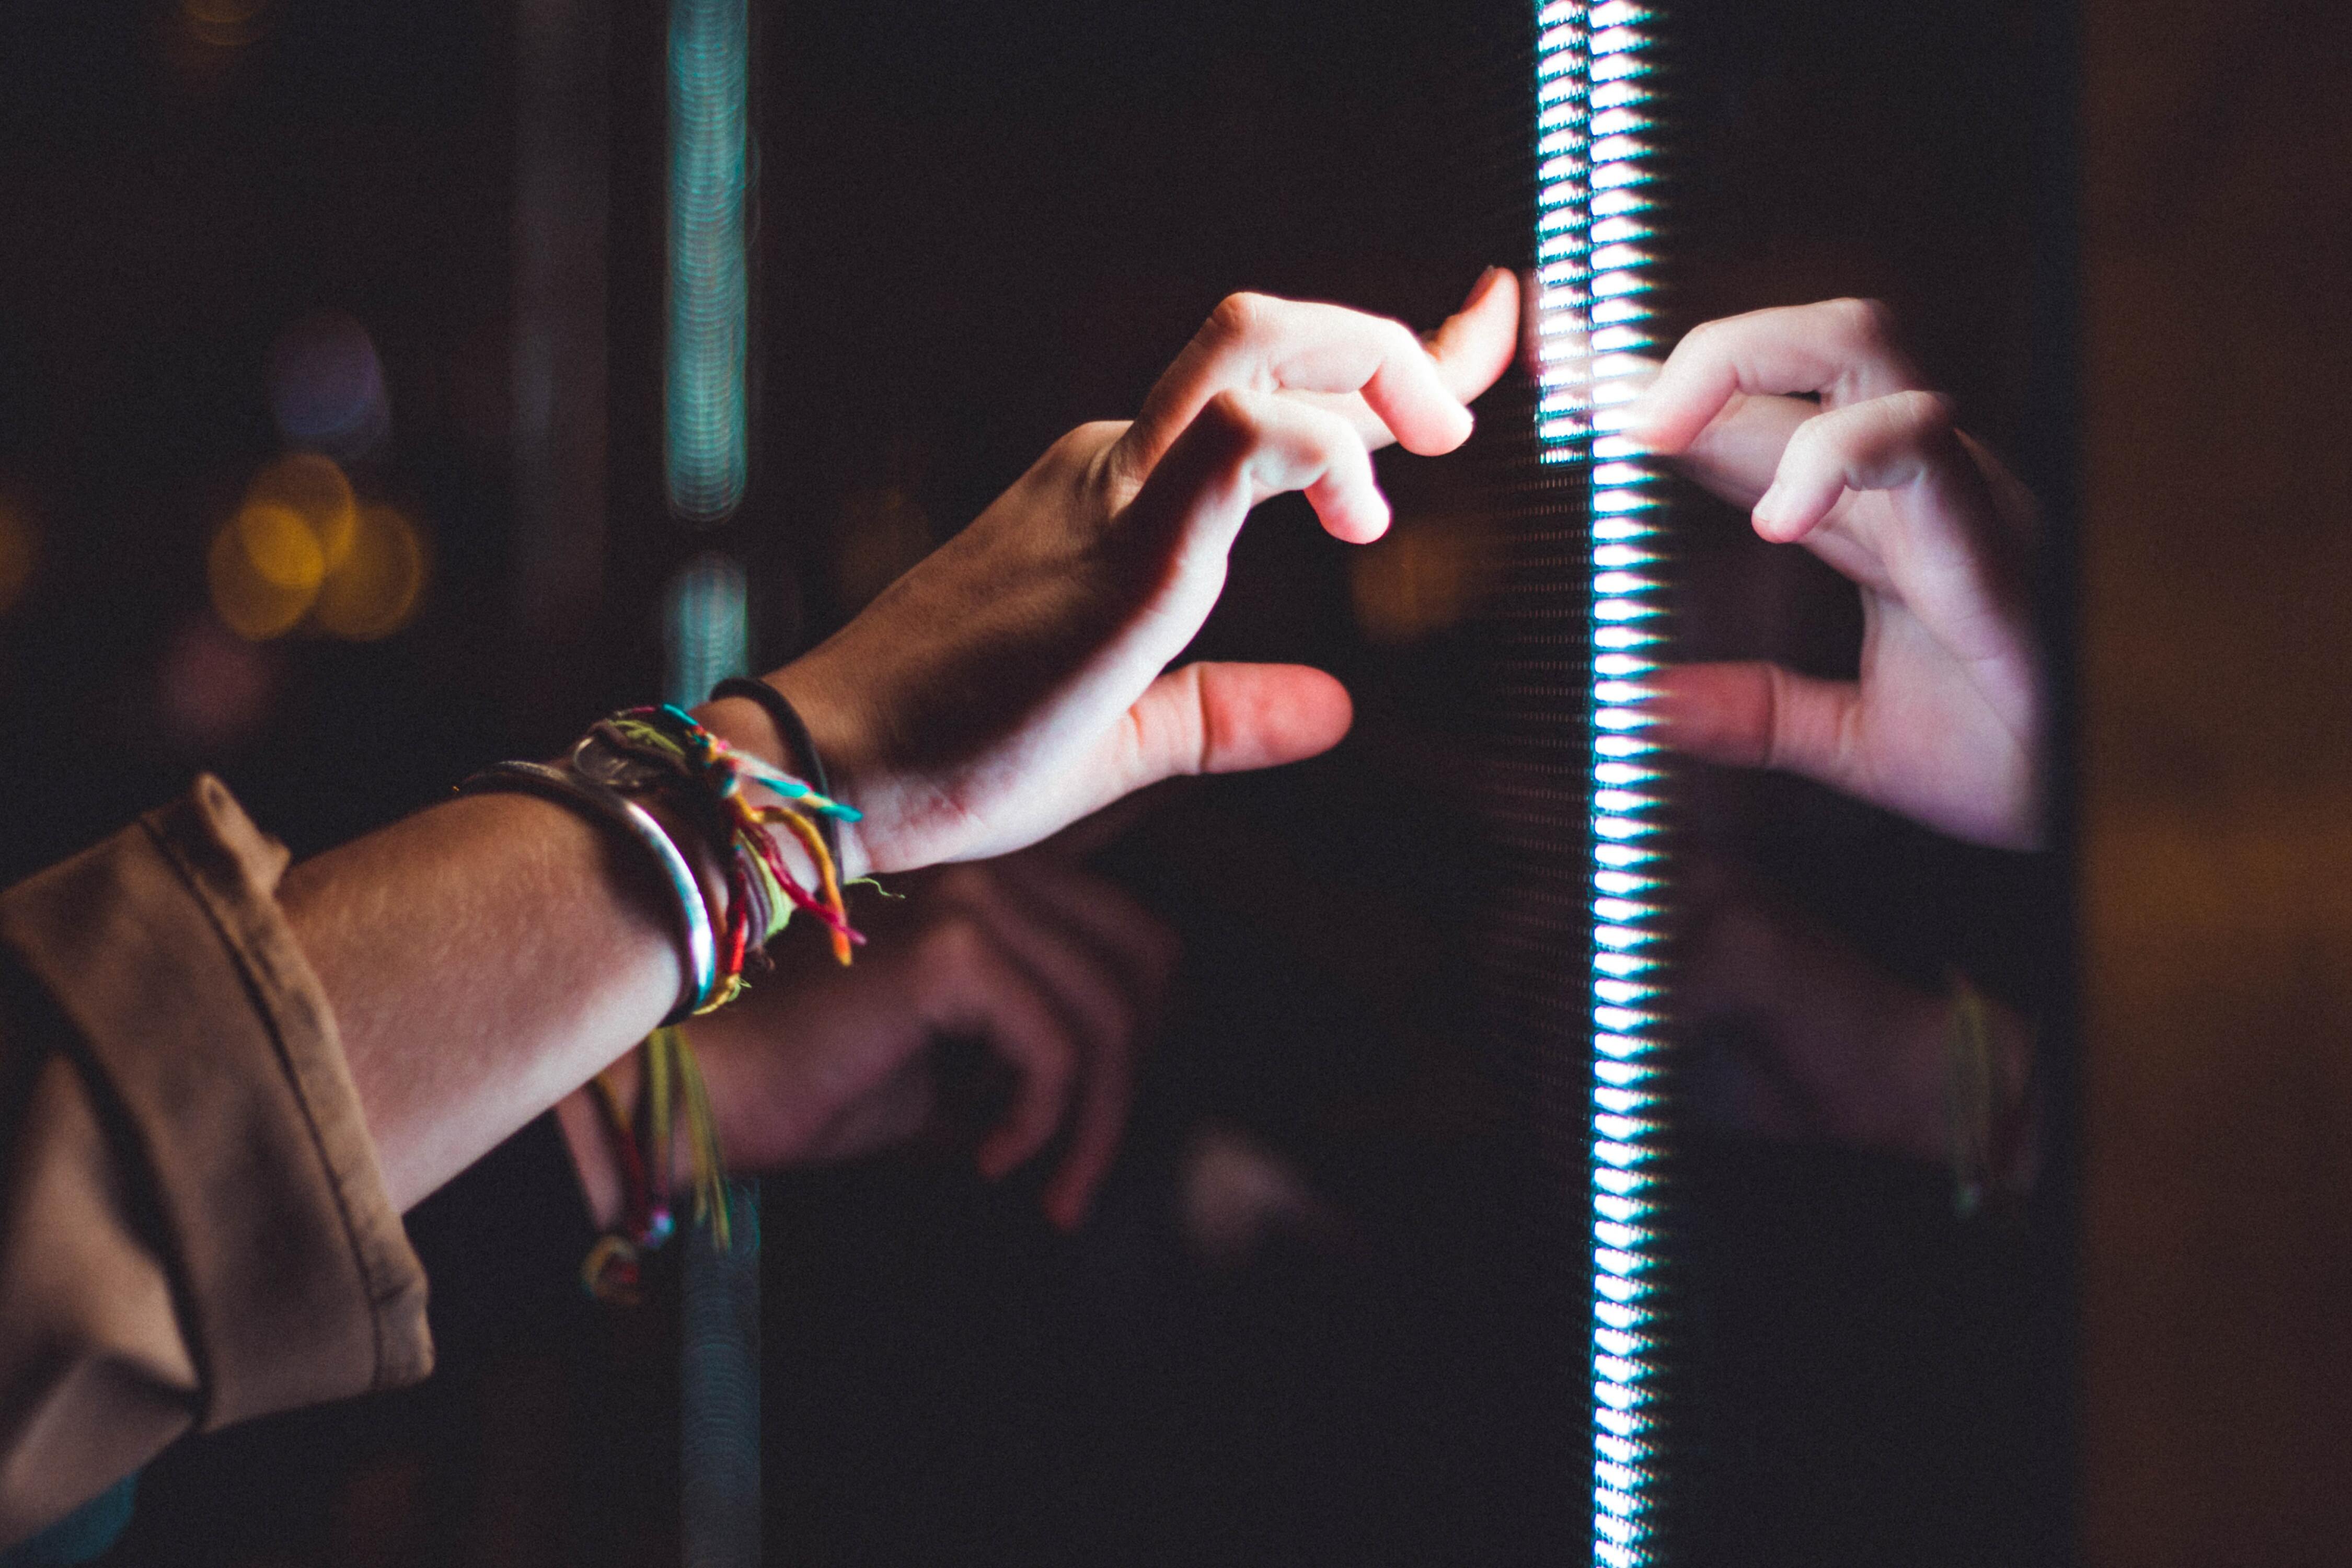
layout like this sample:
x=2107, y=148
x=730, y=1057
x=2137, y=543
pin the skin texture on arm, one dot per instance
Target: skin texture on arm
x=487, y=956
x=484, y=958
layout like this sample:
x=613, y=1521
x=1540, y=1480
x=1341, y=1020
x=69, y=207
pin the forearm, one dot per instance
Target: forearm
x=487, y=957
x=483, y=959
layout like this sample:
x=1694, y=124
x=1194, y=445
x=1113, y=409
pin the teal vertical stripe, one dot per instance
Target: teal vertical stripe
x=708, y=626
x=710, y=284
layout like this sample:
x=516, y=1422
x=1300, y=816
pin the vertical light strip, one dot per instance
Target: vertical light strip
x=706, y=621
x=707, y=629
x=1594, y=277
x=707, y=447
x=709, y=281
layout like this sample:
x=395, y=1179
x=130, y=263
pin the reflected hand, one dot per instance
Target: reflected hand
x=1059, y=973
x=1016, y=680
x=1832, y=1046
x=1945, y=723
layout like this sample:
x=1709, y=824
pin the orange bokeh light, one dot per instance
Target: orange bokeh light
x=375, y=589
x=301, y=544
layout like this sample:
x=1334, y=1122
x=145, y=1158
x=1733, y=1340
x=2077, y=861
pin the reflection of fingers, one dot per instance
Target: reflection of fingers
x=1761, y=716
x=1844, y=349
x=1103, y=940
x=973, y=987
x=1079, y=979
x=1734, y=457
x=884, y=1117
x=1094, y=1139
x=1139, y=947
x=1946, y=553
x=1254, y=341
x=1904, y=438
x=1242, y=446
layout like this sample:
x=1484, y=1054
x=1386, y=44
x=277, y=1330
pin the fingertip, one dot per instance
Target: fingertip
x=1445, y=427
x=1483, y=288
x=1647, y=425
x=1778, y=517
x=1353, y=521
x=1066, y=1206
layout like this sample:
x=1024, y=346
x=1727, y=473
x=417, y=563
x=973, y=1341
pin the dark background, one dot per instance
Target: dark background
x=977, y=226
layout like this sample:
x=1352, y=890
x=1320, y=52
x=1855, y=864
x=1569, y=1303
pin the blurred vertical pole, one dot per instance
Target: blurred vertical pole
x=562, y=200
x=707, y=418
x=705, y=626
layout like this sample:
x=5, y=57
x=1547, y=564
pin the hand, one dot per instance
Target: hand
x=1831, y=1047
x=1059, y=975
x=1016, y=680
x=1945, y=723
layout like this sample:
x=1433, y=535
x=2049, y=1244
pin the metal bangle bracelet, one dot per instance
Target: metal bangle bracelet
x=615, y=809
x=787, y=720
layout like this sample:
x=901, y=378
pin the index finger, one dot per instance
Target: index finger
x=1255, y=343
x=1843, y=350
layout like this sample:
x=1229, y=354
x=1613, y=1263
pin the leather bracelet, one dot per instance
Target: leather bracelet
x=617, y=810
x=795, y=733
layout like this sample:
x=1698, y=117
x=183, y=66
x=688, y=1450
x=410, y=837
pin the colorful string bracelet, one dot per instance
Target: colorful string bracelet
x=661, y=752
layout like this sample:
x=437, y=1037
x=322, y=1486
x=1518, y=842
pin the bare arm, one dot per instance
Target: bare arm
x=484, y=958
x=487, y=956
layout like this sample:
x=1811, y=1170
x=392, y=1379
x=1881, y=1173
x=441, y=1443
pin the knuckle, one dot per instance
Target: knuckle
x=1080, y=445
x=1820, y=436
x=1231, y=417
x=1398, y=340
x=1240, y=316
x=1867, y=323
x=1926, y=415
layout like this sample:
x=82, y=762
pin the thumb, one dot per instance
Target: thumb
x=1223, y=719
x=1755, y=715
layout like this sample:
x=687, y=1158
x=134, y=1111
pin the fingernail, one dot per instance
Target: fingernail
x=1482, y=288
x=1767, y=509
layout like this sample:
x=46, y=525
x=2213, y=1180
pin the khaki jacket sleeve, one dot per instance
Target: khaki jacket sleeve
x=193, y=1229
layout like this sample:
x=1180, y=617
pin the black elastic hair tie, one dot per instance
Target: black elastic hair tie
x=796, y=735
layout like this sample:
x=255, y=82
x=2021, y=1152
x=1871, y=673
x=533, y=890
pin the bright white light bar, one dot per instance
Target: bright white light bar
x=709, y=459
x=1594, y=275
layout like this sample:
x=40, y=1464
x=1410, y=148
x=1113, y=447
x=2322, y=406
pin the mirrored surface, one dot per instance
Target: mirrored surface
x=1336, y=1302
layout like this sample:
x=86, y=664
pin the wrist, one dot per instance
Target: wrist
x=834, y=732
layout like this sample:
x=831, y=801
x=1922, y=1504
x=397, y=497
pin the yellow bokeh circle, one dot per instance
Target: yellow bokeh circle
x=375, y=588
x=302, y=544
x=248, y=603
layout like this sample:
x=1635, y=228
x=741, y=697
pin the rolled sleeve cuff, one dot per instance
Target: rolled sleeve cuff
x=165, y=949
